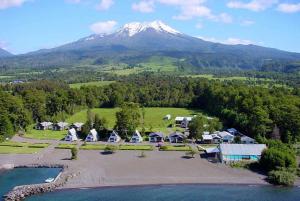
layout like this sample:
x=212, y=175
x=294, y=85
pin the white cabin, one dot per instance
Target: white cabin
x=167, y=117
x=92, y=136
x=114, y=137
x=71, y=136
x=136, y=137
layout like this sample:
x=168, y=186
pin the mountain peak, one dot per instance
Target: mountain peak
x=136, y=27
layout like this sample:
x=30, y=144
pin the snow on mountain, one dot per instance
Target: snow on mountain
x=134, y=28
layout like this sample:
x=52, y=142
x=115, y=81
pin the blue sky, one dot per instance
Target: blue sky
x=29, y=25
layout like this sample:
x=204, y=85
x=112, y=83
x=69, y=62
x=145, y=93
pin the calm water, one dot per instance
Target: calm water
x=22, y=176
x=175, y=193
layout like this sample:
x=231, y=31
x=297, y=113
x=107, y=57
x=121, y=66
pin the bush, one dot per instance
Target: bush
x=74, y=152
x=274, y=158
x=282, y=176
x=110, y=149
x=191, y=153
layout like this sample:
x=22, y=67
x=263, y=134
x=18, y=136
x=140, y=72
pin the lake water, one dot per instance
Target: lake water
x=21, y=176
x=175, y=193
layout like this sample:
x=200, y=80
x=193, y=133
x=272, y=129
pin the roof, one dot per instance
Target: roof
x=176, y=134
x=246, y=138
x=160, y=134
x=215, y=136
x=212, y=150
x=115, y=133
x=93, y=132
x=207, y=137
x=78, y=124
x=224, y=133
x=182, y=118
x=46, y=123
x=62, y=124
x=72, y=132
x=242, y=149
x=232, y=130
x=137, y=133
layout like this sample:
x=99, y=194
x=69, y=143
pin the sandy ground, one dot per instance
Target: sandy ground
x=95, y=169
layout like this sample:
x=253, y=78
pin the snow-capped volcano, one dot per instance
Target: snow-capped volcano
x=134, y=28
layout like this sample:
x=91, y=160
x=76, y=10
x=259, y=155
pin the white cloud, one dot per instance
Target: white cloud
x=253, y=5
x=103, y=27
x=144, y=6
x=247, y=22
x=224, y=17
x=10, y=3
x=105, y=4
x=289, y=8
x=228, y=41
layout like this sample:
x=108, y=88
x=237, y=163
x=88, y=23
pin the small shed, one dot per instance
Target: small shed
x=207, y=139
x=167, y=117
x=72, y=135
x=176, y=137
x=114, y=137
x=60, y=126
x=156, y=137
x=45, y=125
x=247, y=140
x=92, y=136
x=136, y=137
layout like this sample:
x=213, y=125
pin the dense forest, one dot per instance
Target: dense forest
x=255, y=111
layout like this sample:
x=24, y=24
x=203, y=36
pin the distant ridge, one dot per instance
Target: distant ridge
x=136, y=42
x=4, y=53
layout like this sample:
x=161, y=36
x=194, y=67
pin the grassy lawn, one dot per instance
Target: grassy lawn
x=93, y=147
x=153, y=117
x=136, y=147
x=96, y=83
x=21, y=147
x=175, y=148
x=65, y=146
x=45, y=134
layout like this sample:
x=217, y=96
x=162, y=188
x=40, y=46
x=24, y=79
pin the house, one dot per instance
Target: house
x=207, y=139
x=72, y=135
x=216, y=138
x=92, y=136
x=167, y=117
x=176, y=137
x=179, y=120
x=156, y=137
x=136, y=137
x=114, y=137
x=240, y=152
x=247, y=140
x=77, y=126
x=46, y=125
x=226, y=136
x=212, y=152
x=184, y=123
x=60, y=126
x=232, y=131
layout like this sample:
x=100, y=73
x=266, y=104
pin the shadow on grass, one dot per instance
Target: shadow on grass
x=187, y=157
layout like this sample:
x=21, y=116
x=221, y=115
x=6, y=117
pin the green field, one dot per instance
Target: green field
x=21, y=147
x=153, y=121
x=45, y=134
x=96, y=83
x=136, y=147
x=65, y=146
x=175, y=148
x=153, y=117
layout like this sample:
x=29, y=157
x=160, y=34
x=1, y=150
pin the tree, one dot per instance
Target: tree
x=6, y=127
x=101, y=125
x=196, y=127
x=74, y=153
x=214, y=125
x=237, y=140
x=191, y=153
x=128, y=118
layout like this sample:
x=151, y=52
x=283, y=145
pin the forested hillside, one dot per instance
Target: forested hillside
x=256, y=111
